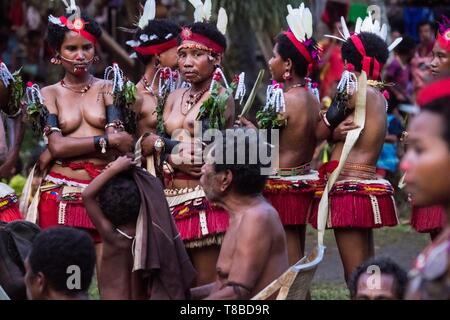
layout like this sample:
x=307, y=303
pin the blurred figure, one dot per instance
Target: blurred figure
x=398, y=71
x=423, y=55
x=427, y=167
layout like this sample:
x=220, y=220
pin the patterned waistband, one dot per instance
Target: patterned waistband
x=295, y=171
x=178, y=196
x=91, y=168
x=361, y=171
x=370, y=187
x=62, y=180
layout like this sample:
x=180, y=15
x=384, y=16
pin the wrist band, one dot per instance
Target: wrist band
x=101, y=143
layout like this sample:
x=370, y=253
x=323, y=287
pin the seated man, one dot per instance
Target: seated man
x=60, y=265
x=254, y=251
x=378, y=279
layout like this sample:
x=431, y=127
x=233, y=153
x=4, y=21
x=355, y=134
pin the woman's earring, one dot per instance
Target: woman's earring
x=55, y=60
x=96, y=59
x=287, y=75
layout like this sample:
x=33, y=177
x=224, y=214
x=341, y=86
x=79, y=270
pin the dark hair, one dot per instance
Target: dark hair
x=374, y=46
x=406, y=46
x=55, y=249
x=387, y=266
x=164, y=29
x=120, y=200
x=247, y=176
x=287, y=50
x=424, y=23
x=56, y=33
x=210, y=31
x=441, y=108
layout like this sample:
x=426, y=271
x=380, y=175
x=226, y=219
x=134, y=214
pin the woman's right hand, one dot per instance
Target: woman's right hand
x=340, y=133
x=187, y=158
x=121, y=141
x=244, y=122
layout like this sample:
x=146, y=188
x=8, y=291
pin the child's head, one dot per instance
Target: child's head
x=120, y=200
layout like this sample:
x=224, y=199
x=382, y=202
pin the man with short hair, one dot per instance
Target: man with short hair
x=254, y=251
x=60, y=265
x=390, y=285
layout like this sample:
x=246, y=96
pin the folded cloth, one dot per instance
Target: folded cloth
x=159, y=251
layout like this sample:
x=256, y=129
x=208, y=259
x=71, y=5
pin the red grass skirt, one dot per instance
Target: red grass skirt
x=75, y=214
x=291, y=198
x=9, y=208
x=428, y=219
x=359, y=204
x=199, y=223
x=9, y=204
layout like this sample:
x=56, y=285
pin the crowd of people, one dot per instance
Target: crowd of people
x=162, y=190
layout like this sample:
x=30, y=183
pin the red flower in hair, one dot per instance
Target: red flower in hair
x=186, y=33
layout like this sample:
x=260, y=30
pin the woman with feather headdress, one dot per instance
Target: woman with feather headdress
x=200, y=53
x=358, y=201
x=80, y=123
x=295, y=114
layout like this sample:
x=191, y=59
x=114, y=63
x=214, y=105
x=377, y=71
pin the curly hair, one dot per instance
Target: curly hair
x=120, y=200
x=388, y=267
x=374, y=46
x=164, y=30
x=55, y=250
x=287, y=50
x=57, y=33
x=210, y=31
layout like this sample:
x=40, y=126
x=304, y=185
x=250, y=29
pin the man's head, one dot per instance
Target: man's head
x=61, y=264
x=234, y=165
x=120, y=200
x=158, y=39
x=427, y=161
x=373, y=45
x=441, y=49
x=378, y=279
x=426, y=31
x=405, y=49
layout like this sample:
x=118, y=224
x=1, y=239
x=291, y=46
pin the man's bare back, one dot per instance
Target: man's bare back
x=253, y=252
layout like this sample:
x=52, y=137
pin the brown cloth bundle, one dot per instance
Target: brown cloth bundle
x=159, y=251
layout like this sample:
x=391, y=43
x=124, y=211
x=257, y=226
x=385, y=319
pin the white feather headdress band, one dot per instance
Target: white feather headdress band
x=148, y=14
x=202, y=13
x=370, y=25
x=300, y=22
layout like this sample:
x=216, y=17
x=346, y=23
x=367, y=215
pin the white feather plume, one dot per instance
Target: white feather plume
x=202, y=11
x=395, y=43
x=148, y=14
x=345, y=31
x=359, y=22
x=54, y=20
x=300, y=22
x=222, y=21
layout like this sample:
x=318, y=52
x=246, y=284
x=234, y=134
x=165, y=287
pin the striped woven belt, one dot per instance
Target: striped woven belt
x=296, y=171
